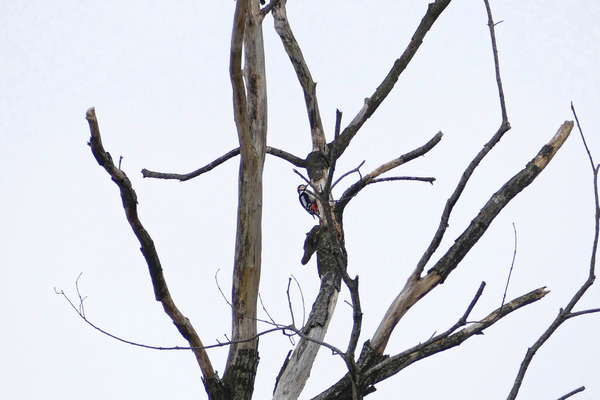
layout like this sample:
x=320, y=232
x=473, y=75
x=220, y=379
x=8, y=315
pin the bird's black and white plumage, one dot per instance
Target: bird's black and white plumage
x=308, y=201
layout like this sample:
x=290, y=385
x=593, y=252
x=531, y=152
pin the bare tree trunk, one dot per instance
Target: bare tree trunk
x=250, y=111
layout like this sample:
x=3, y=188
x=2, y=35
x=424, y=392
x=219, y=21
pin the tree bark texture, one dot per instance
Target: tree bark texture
x=250, y=112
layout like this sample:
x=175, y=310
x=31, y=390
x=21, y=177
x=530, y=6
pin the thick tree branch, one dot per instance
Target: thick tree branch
x=372, y=103
x=284, y=155
x=504, y=127
x=396, y=363
x=389, y=366
x=498, y=201
x=161, y=291
x=309, y=87
x=417, y=287
x=250, y=114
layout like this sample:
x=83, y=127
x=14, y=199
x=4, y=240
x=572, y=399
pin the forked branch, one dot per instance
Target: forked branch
x=390, y=366
x=353, y=190
x=417, y=287
x=567, y=312
x=504, y=127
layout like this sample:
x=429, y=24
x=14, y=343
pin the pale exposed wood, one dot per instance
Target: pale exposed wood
x=412, y=292
x=294, y=377
x=250, y=112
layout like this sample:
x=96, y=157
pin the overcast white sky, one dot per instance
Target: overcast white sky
x=158, y=77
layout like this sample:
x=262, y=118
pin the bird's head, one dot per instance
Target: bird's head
x=301, y=188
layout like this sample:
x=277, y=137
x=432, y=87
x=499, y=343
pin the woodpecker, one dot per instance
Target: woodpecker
x=308, y=201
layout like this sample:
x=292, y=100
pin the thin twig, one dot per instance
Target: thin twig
x=81, y=299
x=265, y=309
x=491, y=26
x=357, y=170
x=301, y=176
x=220, y=290
x=353, y=190
x=302, y=298
x=428, y=179
x=512, y=264
x=584, y=312
x=572, y=393
x=272, y=322
x=290, y=301
x=145, y=346
x=587, y=149
x=566, y=313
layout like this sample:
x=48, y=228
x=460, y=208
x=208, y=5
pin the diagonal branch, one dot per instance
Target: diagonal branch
x=369, y=178
x=567, y=312
x=491, y=26
x=417, y=287
x=309, y=87
x=398, y=362
x=161, y=291
x=372, y=103
x=390, y=366
x=453, y=199
x=572, y=393
x=498, y=201
x=184, y=177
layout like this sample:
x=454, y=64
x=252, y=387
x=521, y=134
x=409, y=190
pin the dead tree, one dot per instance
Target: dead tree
x=369, y=365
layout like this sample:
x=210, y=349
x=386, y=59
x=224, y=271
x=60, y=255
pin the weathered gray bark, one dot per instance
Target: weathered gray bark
x=250, y=112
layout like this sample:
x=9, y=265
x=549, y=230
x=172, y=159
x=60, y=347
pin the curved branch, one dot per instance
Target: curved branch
x=297, y=161
x=161, y=291
x=369, y=178
x=284, y=155
x=184, y=177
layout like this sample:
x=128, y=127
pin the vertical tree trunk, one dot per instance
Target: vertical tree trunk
x=250, y=111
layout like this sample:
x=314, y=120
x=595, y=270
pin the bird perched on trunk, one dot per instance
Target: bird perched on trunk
x=308, y=201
